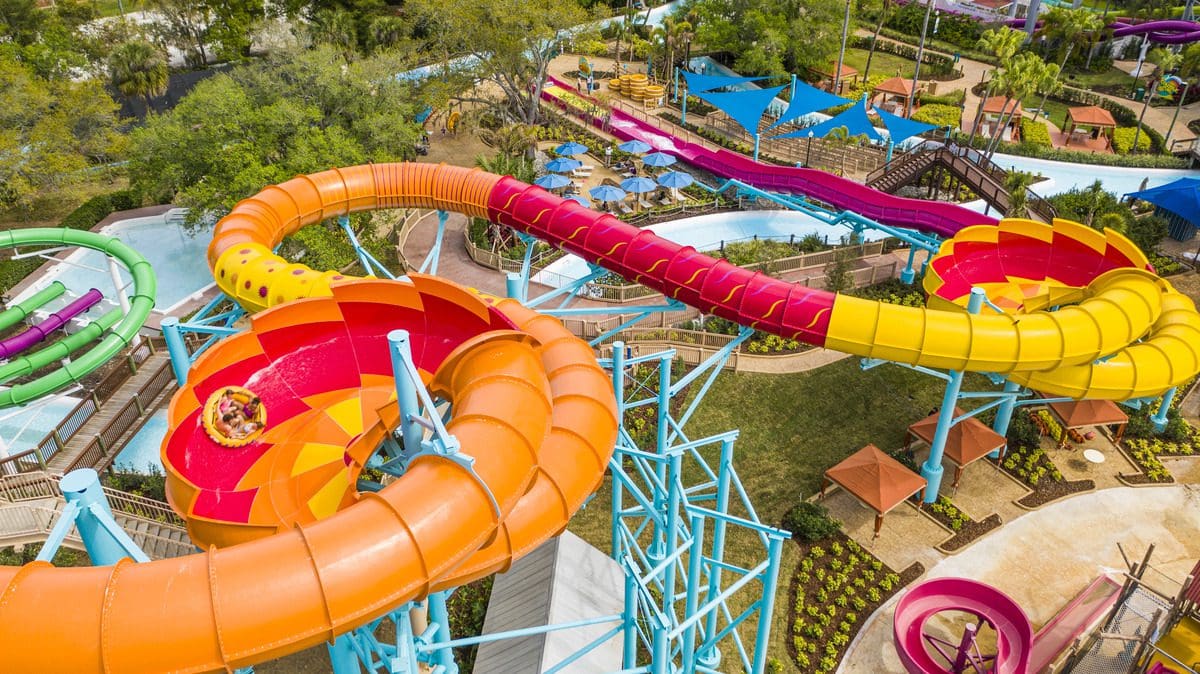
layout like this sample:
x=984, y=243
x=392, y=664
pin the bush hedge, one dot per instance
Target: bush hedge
x=1035, y=133
x=955, y=98
x=810, y=522
x=1123, y=140
x=939, y=115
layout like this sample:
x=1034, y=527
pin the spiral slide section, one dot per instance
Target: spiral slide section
x=529, y=404
x=933, y=217
x=37, y=333
x=116, y=336
x=1014, y=635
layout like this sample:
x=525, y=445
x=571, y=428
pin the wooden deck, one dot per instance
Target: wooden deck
x=101, y=437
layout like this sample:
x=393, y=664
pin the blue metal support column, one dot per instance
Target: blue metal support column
x=762, y=637
x=618, y=369
x=890, y=147
x=513, y=287
x=1159, y=418
x=104, y=546
x=344, y=222
x=342, y=655
x=441, y=617
x=406, y=392
x=1005, y=411
x=176, y=348
x=683, y=116
x=756, y=139
x=666, y=504
x=907, y=275
x=430, y=264
x=931, y=470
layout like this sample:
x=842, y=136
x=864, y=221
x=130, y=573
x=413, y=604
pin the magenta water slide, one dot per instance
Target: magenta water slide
x=36, y=333
x=1014, y=635
x=934, y=217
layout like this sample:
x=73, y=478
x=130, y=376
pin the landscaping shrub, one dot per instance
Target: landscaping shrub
x=1035, y=133
x=1123, y=140
x=139, y=484
x=962, y=30
x=954, y=98
x=810, y=522
x=939, y=115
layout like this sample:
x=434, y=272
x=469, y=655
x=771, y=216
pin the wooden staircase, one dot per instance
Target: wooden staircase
x=977, y=172
x=31, y=503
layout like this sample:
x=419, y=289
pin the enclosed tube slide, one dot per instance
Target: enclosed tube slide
x=934, y=217
x=37, y=333
x=141, y=303
x=21, y=310
x=32, y=362
x=1166, y=31
x=1014, y=635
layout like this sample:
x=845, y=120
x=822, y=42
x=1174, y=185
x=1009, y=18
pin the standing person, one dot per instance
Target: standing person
x=608, y=156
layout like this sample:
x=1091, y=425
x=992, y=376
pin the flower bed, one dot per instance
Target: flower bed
x=965, y=529
x=836, y=587
x=1026, y=461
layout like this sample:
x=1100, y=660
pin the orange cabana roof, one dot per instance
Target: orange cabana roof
x=1089, y=413
x=995, y=106
x=876, y=478
x=847, y=71
x=1091, y=115
x=896, y=86
x=969, y=440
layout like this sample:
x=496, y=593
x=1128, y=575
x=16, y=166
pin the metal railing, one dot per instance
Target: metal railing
x=107, y=443
x=21, y=521
x=39, y=485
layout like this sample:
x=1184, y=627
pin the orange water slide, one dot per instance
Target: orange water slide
x=530, y=405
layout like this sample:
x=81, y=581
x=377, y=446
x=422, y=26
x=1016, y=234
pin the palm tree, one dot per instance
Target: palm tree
x=1017, y=184
x=1002, y=43
x=1027, y=74
x=138, y=68
x=920, y=53
x=1068, y=26
x=1113, y=221
x=671, y=36
x=841, y=136
x=887, y=4
x=513, y=140
x=837, y=73
x=335, y=27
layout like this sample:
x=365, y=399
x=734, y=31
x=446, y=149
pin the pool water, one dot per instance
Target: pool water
x=23, y=427
x=141, y=453
x=176, y=255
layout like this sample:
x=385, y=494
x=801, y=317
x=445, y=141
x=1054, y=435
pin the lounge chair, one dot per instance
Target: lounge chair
x=624, y=207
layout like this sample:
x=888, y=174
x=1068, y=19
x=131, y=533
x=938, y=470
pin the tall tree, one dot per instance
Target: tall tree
x=883, y=14
x=1002, y=43
x=511, y=43
x=1067, y=27
x=184, y=24
x=139, y=69
x=771, y=36
x=1017, y=184
x=1027, y=74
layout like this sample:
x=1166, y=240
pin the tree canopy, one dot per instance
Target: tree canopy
x=266, y=122
x=771, y=36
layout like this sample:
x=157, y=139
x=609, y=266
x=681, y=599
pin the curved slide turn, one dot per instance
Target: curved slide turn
x=1014, y=635
x=36, y=333
x=319, y=559
x=1165, y=31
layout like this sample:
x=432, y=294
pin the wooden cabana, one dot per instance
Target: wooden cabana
x=1080, y=413
x=849, y=76
x=997, y=108
x=897, y=88
x=968, y=441
x=1097, y=119
x=875, y=479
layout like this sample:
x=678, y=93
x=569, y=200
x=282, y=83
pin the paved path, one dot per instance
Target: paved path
x=1046, y=557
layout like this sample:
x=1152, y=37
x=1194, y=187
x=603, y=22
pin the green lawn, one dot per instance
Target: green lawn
x=792, y=428
x=1056, y=111
x=881, y=64
x=114, y=7
x=1110, y=77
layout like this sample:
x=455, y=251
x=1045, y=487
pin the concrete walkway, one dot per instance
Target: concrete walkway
x=1043, y=559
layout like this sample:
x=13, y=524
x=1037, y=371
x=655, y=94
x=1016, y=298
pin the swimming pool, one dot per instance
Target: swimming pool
x=22, y=428
x=709, y=232
x=176, y=255
x=141, y=453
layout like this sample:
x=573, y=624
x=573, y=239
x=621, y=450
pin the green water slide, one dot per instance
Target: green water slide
x=17, y=312
x=114, y=340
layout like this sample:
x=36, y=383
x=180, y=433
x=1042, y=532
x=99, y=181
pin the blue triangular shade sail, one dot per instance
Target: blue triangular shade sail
x=805, y=99
x=1181, y=197
x=855, y=120
x=902, y=128
x=745, y=107
x=698, y=83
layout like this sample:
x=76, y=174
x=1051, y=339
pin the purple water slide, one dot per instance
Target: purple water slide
x=1168, y=31
x=1014, y=635
x=934, y=217
x=36, y=333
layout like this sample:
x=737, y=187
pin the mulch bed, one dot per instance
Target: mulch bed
x=970, y=531
x=1142, y=478
x=808, y=592
x=1046, y=492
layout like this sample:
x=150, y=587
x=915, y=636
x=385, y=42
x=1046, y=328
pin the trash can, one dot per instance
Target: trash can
x=1139, y=94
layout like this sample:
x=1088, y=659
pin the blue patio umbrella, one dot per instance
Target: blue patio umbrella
x=634, y=147
x=638, y=185
x=607, y=193
x=676, y=179
x=581, y=200
x=571, y=148
x=562, y=165
x=658, y=159
x=552, y=181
